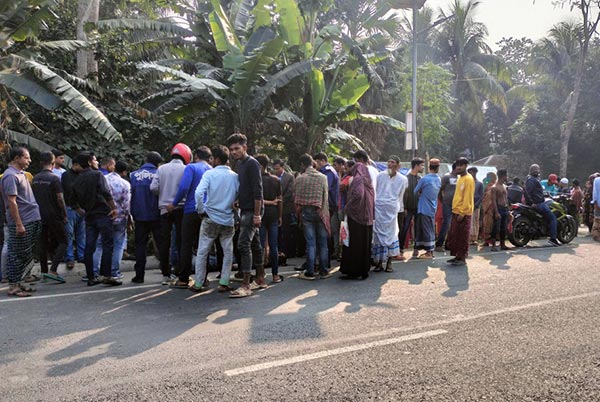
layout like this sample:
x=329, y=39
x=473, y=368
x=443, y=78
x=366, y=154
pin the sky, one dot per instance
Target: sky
x=516, y=18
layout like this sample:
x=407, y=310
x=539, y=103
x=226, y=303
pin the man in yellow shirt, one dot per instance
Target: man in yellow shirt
x=463, y=204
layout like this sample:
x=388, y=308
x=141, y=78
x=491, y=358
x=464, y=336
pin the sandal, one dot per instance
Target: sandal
x=224, y=288
x=179, y=285
x=378, y=268
x=18, y=292
x=240, y=292
x=388, y=267
x=425, y=257
x=258, y=286
x=281, y=278
x=198, y=289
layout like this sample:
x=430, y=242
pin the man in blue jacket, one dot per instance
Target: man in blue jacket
x=145, y=212
x=190, y=224
x=534, y=192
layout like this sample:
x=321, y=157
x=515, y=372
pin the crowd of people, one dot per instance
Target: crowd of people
x=247, y=211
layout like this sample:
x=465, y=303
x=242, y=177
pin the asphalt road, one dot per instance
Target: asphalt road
x=512, y=326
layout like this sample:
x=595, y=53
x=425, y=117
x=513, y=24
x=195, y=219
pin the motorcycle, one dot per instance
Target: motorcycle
x=529, y=224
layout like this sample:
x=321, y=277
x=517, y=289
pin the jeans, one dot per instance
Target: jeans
x=316, y=239
x=209, y=232
x=96, y=226
x=190, y=229
x=166, y=227
x=500, y=225
x=75, y=229
x=271, y=229
x=119, y=240
x=142, y=232
x=249, y=245
x=409, y=218
x=447, y=213
x=549, y=217
x=53, y=239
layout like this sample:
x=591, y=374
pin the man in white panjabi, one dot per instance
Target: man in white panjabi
x=389, y=196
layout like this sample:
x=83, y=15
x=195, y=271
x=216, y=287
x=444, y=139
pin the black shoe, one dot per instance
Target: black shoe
x=554, y=243
x=136, y=279
x=111, y=282
x=94, y=282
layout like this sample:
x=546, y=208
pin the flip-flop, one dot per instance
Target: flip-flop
x=18, y=292
x=224, y=288
x=281, y=278
x=56, y=278
x=198, y=290
x=179, y=285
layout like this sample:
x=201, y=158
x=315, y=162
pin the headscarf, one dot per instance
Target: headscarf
x=360, y=200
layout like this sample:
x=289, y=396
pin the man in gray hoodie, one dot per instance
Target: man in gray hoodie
x=165, y=184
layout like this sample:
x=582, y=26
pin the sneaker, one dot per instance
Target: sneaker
x=119, y=276
x=458, y=263
x=306, y=276
x=136, y=279
x=325, y=275
x=84, y=278
x=440, y=249
x=553, y=243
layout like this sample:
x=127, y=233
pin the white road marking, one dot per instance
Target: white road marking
x=109, y=290
x=332, y=352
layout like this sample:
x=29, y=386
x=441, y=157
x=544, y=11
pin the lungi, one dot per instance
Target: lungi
x=424, y=232
x=20, y=250
x=458, y=236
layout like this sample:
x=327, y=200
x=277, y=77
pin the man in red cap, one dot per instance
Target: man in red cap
x=551, y=185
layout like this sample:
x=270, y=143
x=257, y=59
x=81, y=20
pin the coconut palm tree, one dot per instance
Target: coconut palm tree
x=479, y=75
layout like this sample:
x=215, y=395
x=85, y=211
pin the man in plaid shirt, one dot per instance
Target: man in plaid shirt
x=312, y=207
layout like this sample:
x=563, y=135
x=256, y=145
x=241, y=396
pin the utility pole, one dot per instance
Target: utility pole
x=415, y=10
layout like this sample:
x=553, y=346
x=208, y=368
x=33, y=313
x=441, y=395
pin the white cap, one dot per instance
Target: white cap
x=564, y=180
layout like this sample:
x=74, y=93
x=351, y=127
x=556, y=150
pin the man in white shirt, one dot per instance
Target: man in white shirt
x=389, y=202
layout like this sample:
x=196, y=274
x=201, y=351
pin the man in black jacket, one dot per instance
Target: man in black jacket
x=535, y=197
x=93, y=194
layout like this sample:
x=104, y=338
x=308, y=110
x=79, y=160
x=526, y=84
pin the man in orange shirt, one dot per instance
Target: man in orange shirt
x=462, y=210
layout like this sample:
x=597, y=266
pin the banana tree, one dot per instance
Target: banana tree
x=23, y=67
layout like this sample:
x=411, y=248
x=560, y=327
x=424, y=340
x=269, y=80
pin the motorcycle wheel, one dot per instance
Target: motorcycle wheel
x=567, y=229
x=519, y=236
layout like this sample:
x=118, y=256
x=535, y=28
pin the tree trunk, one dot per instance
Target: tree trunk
x=87, y=11
x=567, y=128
